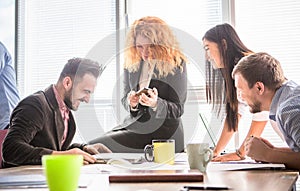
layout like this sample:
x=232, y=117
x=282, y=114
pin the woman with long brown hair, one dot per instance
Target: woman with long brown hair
x=223, y=51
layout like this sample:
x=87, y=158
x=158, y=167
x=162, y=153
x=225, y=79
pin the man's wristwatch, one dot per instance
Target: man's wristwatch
x=82, y=146
x=237, y=152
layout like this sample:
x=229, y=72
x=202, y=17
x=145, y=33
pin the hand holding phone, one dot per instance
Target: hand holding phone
x=144, y=90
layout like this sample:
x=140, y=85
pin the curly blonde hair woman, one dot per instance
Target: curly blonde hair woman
x=164, y=52
x=153, y=60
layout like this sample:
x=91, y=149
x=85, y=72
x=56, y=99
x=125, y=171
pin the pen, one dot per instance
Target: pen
x=187, y=188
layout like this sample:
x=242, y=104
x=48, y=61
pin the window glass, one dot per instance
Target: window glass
x=7, y=18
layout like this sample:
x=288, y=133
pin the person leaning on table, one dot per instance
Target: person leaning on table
x=43, y=124
x=260, y=82
x=224, y=49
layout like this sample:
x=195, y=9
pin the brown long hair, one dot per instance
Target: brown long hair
x=219, y=84
x=165, y=49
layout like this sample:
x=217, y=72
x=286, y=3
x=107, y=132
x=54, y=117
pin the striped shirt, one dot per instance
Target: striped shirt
x=9, y=95
x=285, y=110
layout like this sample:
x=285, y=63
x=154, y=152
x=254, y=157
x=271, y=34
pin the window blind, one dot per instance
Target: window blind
x=51, y=32
x=272, y=26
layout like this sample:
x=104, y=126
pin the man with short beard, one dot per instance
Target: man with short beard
x=42, y=123
x=260, y=82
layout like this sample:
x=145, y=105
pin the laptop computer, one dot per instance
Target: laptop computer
x=208, y=129
x=210, y=132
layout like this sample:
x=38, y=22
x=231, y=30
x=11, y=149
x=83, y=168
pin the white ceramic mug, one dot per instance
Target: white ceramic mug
x=199, y=155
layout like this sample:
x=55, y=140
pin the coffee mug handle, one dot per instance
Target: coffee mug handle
x=210, y=152
x=149, y=154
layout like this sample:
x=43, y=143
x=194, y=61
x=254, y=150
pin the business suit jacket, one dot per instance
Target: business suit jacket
x=144, y=125
x=36, y=129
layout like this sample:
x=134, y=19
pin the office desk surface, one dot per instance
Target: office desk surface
x=96, y=176
x=237, y=180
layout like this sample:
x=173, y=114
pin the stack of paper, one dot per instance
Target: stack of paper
x=23, y=181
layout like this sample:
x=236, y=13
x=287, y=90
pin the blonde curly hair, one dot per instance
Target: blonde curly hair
x=164, y=50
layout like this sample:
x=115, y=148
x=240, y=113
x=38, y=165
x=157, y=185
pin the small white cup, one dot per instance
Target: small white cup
x=199, y=155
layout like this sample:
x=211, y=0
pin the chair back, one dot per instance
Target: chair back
x=2, y=137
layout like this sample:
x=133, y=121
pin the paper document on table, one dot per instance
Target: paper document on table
x=137, y=161
x=131, y=157
x=123, y=164
x=242, y=165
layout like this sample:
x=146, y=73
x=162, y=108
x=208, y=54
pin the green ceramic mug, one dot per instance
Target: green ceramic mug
x=62, y=171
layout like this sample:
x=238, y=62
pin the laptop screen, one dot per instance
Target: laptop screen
x=208, y=129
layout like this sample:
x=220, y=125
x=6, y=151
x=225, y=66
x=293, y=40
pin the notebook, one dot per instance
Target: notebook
x=158, y=176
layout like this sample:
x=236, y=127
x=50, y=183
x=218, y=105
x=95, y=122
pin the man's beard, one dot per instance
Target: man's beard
x=255, y=107
x=67, y=99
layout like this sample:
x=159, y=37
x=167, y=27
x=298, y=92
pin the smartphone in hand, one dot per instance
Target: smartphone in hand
x=144, y=90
